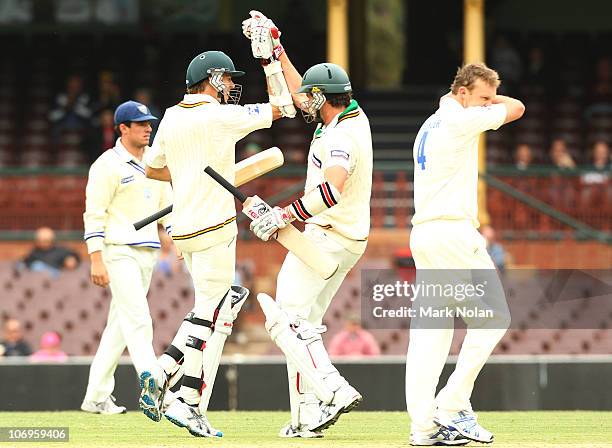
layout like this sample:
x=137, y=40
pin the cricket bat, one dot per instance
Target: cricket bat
x=290, y=237
x=246, y=170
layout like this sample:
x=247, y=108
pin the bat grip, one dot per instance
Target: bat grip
x=154, y=217
x=225, y=184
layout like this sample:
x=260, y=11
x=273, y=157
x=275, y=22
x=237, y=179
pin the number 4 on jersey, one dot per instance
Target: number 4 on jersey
x=421, y=151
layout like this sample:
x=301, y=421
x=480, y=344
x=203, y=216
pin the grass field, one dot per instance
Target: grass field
x=357, y=429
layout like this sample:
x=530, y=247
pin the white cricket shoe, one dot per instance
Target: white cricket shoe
x=105, y=407
x=442, y=437
x=345, y=400
x=152, y=394
x=466, y=424
x=289, y=431
x=185, y=416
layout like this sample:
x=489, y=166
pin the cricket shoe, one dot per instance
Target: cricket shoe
x=345, y=400
x=465, y=423
x=442, y=437
x=185, y=416
x=289, y=431
x=152, y=395
x=105, y=407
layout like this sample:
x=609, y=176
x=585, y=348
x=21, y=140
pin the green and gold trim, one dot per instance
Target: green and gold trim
x=192, y=105
x=203, y=231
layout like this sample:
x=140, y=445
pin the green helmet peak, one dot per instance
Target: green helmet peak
x=203, y=65
x=326, y=78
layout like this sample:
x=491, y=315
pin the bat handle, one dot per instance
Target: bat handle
x=225, y=184
x=154, y=217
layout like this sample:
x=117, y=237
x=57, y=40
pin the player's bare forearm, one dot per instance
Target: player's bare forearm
x=514, y=108
x=162, y=174
x=293, y=78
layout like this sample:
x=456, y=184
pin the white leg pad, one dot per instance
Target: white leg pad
x=228, y=311
x=295, y=346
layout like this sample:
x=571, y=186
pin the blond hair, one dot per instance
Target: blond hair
x=468, y=74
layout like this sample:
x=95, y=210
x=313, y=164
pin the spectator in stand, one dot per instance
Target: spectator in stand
x=50, y=349
x=560, y=156
x=102, y=136
x=536, y=70
x=109, y=94
x=597, y=179
x=601, y=92
x=144, y=96
x=13, y=343
x=506, y=60
x=522, y=157
x=47, y=257
x=495, y=249
x=353, y=341
x=72, y=110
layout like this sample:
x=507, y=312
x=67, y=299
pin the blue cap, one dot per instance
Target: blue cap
x=132, y=111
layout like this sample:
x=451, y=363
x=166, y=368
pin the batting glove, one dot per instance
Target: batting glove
x=264, y=36
x=266, y=225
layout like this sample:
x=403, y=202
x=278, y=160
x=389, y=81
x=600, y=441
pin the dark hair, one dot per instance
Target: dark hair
x=339, y=99
x=198, y=87
x=118, y=131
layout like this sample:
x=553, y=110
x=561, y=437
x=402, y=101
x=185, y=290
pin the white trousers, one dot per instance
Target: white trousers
x=212, y=271
x=129, y=321
x=447, y=245
x=302, y=292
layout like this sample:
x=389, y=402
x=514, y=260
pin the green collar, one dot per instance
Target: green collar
x=351, y=107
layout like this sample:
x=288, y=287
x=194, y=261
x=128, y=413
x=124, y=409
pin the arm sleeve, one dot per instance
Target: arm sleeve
x=242, y=120
x=101, y=187
x=155, y=157
x=165, y=201
x=338, y=151
x=482, y=118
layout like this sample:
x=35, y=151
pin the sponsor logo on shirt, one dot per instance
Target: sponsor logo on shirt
x=339, y=153
x=125, y=180
x=252, y=109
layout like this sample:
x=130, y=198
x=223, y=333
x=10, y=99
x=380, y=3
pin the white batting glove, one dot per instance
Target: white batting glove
x=264, y=36
x=266, y=225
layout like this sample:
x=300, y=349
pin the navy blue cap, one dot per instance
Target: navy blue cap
x=132, y=111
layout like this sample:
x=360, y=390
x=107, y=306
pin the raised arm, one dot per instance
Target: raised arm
x=514, y=108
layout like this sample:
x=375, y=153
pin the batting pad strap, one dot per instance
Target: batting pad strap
x=174, y=353
x=190, y=317
x=196, y=343
x=193, y=382
x=317, y=200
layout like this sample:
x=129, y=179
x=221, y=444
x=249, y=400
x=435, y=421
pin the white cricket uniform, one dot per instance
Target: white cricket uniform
x=118, y=194
x=342, y=230
x=192, y=135
x=444, y=236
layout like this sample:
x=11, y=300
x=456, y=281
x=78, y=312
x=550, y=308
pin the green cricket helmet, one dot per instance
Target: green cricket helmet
x=213, y=65
x=327, y=78
x=204, y=64
x=318, y=80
